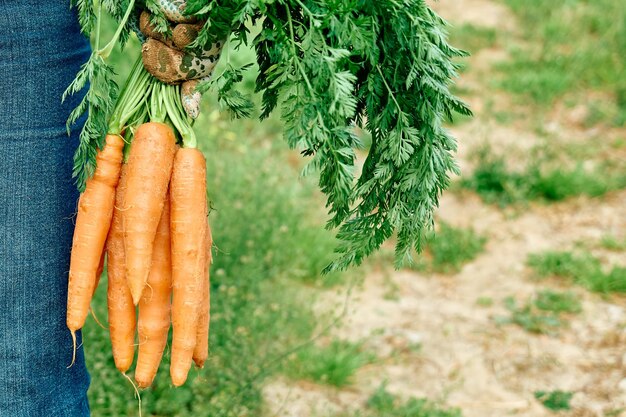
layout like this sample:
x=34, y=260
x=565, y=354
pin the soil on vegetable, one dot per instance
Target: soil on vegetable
x=434, y=338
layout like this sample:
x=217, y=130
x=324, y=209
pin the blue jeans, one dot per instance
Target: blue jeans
x=41, y=50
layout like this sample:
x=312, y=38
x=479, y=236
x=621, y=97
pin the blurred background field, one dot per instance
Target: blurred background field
x=516, y=307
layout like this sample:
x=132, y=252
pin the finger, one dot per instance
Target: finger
x=149, y=31
x=184, y=34
x=191, y=98
x=173, y=66
x=174, y=9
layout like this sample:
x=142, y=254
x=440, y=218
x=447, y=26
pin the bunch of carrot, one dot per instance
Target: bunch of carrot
x=146, y=208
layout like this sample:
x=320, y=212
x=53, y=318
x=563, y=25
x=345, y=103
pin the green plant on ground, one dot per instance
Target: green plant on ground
x=613, y=243
x=555, y=400
x=557, y=302
x=484, y=301
x=383, y=403
x=449, y=248
x=559, y=184
x=544, y=313
x=582, y=268
x=530, y=318
x=495, y=183
x=571, y=46
x=334, y=364
x=473, y=38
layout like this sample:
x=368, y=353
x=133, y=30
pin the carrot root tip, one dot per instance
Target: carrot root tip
x=73, y=333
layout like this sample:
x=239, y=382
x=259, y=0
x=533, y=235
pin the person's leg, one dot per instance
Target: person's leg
x=40, y=52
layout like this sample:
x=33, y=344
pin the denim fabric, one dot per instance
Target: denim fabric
x=41, y=50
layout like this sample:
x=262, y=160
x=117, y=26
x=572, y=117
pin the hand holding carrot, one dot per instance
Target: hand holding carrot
x=171, y=60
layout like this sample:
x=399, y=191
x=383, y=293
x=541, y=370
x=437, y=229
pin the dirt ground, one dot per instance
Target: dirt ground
x=465, y=359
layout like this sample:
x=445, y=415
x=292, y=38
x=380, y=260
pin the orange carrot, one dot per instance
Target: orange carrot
x=99, y=270
x=201, y=351
x=119, y=301
x=149, y=170
x=95, y=287
x=95, y=209
x=188, y=230
x=154, y=306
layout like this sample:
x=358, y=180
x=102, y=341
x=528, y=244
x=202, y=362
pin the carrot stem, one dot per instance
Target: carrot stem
x=106, y=51
x=171, y=99
x=158, y=111
x=131, y=98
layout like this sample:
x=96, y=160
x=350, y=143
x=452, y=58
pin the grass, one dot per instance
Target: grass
x=557, y=302
x=582, y=268
x=484, y=302
x=555, y=400
x=384, y=404
x=572, y=46
x=473, y=38
x=613, y=243
x=495, y=183
x=449, y=248
x=528, y=318
x=334, y=364
x=545, y=313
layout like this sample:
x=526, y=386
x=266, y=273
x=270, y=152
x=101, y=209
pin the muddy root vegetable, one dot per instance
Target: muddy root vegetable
x=188, y=231
x=120, y=305
x=149, y=171
x=201, y=351
x=95, y=210
x=154, y=306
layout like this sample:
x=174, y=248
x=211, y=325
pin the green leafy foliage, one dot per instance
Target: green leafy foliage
x=86, y=15
x=117, y=9
x=583, y=268
x=334, y=364
x=98, y=103
x=97, y=78
x=555, y=400
x=157, y=18
x=229, y=98
x=328, y=65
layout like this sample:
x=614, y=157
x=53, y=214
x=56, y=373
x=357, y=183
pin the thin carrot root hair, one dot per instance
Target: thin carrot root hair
x=137, y=394
x=95, y=318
